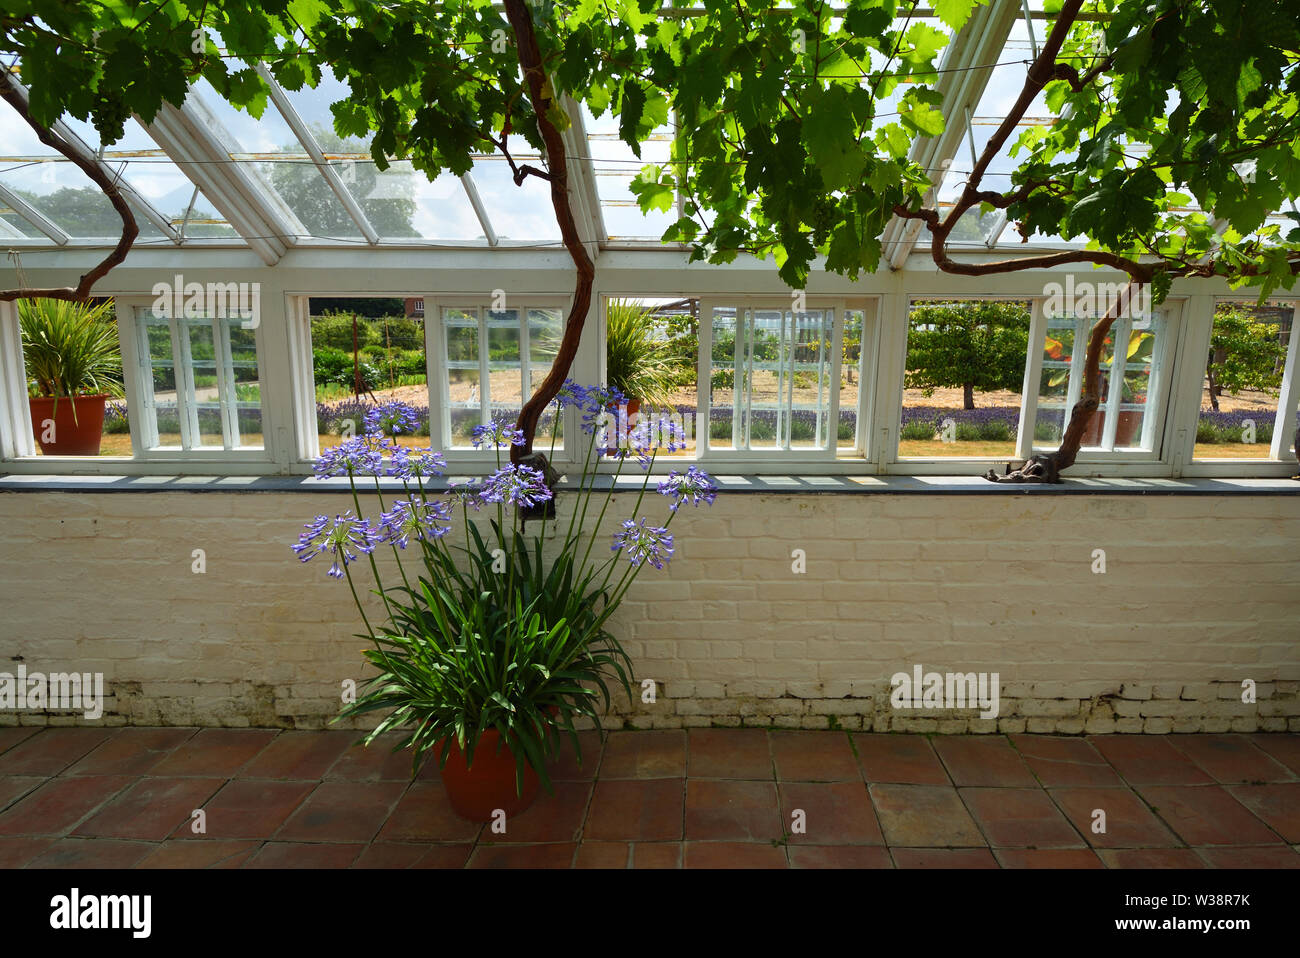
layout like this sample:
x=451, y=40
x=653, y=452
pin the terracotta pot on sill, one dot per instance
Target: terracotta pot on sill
x=77, y=435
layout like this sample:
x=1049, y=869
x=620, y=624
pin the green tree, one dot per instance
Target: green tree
x=1245, y=353
x=974, y=345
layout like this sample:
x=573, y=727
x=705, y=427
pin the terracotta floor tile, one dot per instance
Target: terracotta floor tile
x=835, y=813
x=1283, y=746
x=732, y=811
x=566, y=767
x=85, y=853
x=52, y=750
x=301, y=755
x=733, y=855
x=1257, y=856
x=1232, y=759
x=814, y=757
x=523, y=856
x=12, y=735
x=551, y=818
x=378, y=762
x=342, y=812
x=132, y=751
x=924, y=816
x=151, y=809
x=1129, y=823
x=425, y=815
x=1206, y=815
x=901, y=759
x=1177, y=858
x=1065, y=760
x=248, y=809
x=15, y=787
x=741, y=753
x=185, y=854
x=1019, y=818
x=60, y=804
x=839, y=856
x=1277, y=805
x=637, y=811
x=214, y=753
x=987, y=760
x=604, y=855
x=300, y=855
x=413, y=855
x=943, y=858
x=657, y=855
x=658, y=754
x=1048, y=858
x=17, y=852
x=1148, y=760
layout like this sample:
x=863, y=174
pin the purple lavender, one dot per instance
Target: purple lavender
x=694, y=485
x=515, y=485
x=641, y=543
x=344, y=539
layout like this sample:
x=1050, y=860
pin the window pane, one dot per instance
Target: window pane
x=164, y=420
x=205, y=415
x=850, y=378
x=465, y=401
x=1243, y=376
x=545, y=328
x=505, y=380
x=245, y=384
x=1054, y=382
x=964, y=378
x=724, y=421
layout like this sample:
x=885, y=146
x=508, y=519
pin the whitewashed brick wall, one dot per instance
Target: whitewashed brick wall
x=1200, y=593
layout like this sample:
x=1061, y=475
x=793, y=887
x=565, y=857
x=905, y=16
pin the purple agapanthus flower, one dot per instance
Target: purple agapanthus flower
x=641, y=543
x=414, y=518
x=515, y=485
x=694, y=485
x=571, y=394
x=496, y=435
x=352, y=457
x=652, y=433
x=393, y=418
x=601, y=405
x=344, y=539
x=465, y=495
x=417, y=464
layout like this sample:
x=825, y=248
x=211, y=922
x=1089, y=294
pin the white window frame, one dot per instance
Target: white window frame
x=138, y=377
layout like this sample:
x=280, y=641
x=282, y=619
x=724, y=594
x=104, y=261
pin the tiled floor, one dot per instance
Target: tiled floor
x=748, y=798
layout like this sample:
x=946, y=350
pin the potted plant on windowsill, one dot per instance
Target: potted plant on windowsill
x=489, y=649
x=74, y=366
x=637, y=367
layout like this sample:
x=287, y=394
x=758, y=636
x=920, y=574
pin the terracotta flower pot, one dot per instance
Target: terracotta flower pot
x=71, y=435
x=476, y=791
x=1130, y=422
x=616, y=431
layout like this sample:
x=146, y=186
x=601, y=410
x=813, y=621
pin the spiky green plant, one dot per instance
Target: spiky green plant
x=71, y=349
x=636, y=361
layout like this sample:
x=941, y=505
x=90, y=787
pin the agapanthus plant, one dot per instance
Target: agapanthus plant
x=494, y=628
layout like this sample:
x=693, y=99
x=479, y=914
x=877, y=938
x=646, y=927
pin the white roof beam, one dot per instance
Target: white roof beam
x=309, y=144
x=199, y=154
x=979, y=42
x=476, y=201
x=34, y=216
x=582, y=180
